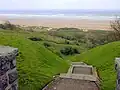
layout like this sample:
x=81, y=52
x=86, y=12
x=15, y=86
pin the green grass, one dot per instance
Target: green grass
x=83, y=39
x=102, y=57
x=55, y=48
x=36, y=65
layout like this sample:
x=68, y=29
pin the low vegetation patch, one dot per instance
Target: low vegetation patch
x=89, y=39
x=46, y=44
x=35, y=38
x=8, y=25
x=69, y=51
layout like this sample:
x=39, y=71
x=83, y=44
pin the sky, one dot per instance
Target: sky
x=59, y=4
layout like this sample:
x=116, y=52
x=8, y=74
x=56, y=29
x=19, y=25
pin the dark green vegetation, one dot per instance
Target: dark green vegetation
x=47, y=53
x=69, y=51
x=78, y=37
x=8, y=25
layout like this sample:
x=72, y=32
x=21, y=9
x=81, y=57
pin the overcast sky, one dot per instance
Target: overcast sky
x=58, y=4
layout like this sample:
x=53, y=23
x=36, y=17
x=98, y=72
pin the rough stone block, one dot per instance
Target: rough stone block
x=8, y=72
x=13, y=64
x=7, y=57
x=12, y=76
x=14, y=87
x=4, y=65
x=3, y=82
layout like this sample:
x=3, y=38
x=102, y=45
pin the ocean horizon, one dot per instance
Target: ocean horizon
x=66, y=14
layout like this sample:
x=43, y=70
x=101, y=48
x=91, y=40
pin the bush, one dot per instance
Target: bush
x=2, y=26
x=7, y=25
x=67, y=42
x=35, y=39
x=69, y=51
x=59, y=54
x=46, y=44
x=76, y=51
x=115, y=25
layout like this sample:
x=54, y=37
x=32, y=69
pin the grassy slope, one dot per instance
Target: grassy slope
x=36, y=64
x=103, y=57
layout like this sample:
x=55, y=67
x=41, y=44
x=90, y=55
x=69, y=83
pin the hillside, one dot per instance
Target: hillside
x=36, y=64
x=102, y=57
x=39, y=61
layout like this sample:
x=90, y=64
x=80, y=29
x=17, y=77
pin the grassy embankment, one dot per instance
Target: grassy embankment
x=36, y=64
x=102, y=57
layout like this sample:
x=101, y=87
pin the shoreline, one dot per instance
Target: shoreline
x=89, y=24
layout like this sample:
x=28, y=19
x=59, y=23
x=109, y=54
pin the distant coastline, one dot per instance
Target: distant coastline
x=89, y=20
x=62, y=16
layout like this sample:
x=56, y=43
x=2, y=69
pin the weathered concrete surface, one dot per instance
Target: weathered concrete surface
x=84, y=78
x=72, y=84
x=8, y=72
x=82, y=70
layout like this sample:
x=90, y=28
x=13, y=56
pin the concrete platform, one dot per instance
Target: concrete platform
x=71, y=84
x=81, y=71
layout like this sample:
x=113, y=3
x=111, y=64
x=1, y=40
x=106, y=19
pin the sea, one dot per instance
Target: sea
x=66, y=14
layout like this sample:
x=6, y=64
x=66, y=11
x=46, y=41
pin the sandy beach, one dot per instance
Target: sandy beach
x=61, y=22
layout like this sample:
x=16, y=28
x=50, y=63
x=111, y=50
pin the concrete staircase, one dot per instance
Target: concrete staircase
x=80, y=76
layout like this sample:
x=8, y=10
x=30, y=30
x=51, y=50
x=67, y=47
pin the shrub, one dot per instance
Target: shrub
x=46, y=44
x=7, y=25
x=76, y=51
x=35, y=39
x=69, y=51
x=2, y=26
x=59, y=54
x=115, y=25
x=67, y=42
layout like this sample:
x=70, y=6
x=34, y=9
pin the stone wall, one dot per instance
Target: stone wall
x=117, y=68
x=8, y=72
